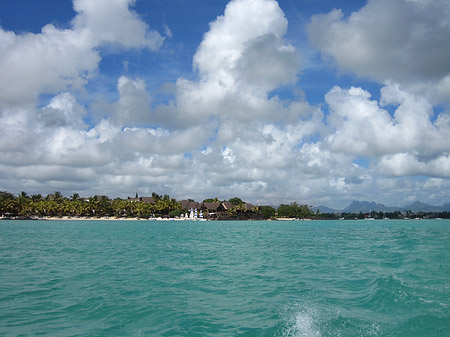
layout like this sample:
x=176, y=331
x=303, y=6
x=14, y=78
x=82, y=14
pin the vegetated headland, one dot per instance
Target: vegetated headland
x=162, y=207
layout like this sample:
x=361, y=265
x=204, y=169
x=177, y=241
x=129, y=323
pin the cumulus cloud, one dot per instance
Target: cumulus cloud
x=404, y=164
x=407, y=143
x=63, y=110
x=403, y=45
x=223, y=133
x=65, y=59
x=112, y=22
x=363, y=127
x=391, y=40
x=34, y=64
x=240, y=60
x=242, y=22
x=133, y=107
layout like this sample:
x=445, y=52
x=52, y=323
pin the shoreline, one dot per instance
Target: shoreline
x=68, y=218
x=105, y=218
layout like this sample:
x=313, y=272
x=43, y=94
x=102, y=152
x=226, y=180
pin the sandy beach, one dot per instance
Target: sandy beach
x=68, y=218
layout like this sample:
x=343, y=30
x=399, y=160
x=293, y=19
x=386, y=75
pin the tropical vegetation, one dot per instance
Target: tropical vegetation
x=56, y=205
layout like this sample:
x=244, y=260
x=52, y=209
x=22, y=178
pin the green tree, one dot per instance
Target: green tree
x=10, y=207
x=24, y=204
x=212, y=200
x=236, y=201
x=294, y=210
x=58, y=196
x=104, y=206
x=267, y=211
x=75, y=197
x=92, y=206
x=36, y=198
x=175, y=213
x=119, y=207
x=6, y=196
x=23, y=195
x=51, y=208
x=155, y=196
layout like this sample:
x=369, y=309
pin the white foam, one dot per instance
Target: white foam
x=301, y=324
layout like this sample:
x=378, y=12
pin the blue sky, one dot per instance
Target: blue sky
x=321, y=102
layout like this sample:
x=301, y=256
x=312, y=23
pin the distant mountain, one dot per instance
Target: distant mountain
x=421, y=207
x=366, y=206
x=325, y=209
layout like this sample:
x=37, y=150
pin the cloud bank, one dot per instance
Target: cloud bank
x=226, y=133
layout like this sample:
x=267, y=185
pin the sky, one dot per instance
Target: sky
x=316, y=101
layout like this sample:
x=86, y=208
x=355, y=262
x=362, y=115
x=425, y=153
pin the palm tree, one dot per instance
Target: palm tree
x=36, y=197
x=119, y=206
x=92, y=206
x=23, y=197
x=6, y=195
x=58, y=196
x=23, y=201
x=12, y=207
x=40, y=207
x=52, y=207
x=75, y=197
x=104, y=206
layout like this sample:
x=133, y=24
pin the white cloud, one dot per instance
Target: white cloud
x=360, y=126
x=404, y=164
x=242, y=22
x=65, y=59
x=222, y=134
x=391, y=40
x=34, y=64
x=133, y=107
x=112, y=22
x=63, y=110
x=241, y=58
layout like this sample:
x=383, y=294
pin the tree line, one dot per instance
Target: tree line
x=56, y=205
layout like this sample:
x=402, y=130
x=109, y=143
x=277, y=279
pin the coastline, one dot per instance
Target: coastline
x=104, y=218
x=69, y=218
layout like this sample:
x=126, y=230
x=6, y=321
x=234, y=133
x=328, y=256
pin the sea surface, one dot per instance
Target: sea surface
x=299, y=278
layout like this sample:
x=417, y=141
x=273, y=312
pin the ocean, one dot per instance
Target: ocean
x=257, y=278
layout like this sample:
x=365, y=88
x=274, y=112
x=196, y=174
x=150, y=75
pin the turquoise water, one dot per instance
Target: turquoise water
x=304, y=278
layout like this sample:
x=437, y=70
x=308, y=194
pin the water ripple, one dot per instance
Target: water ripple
x=225, y=278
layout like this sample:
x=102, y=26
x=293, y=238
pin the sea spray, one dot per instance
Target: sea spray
x=300, y=321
